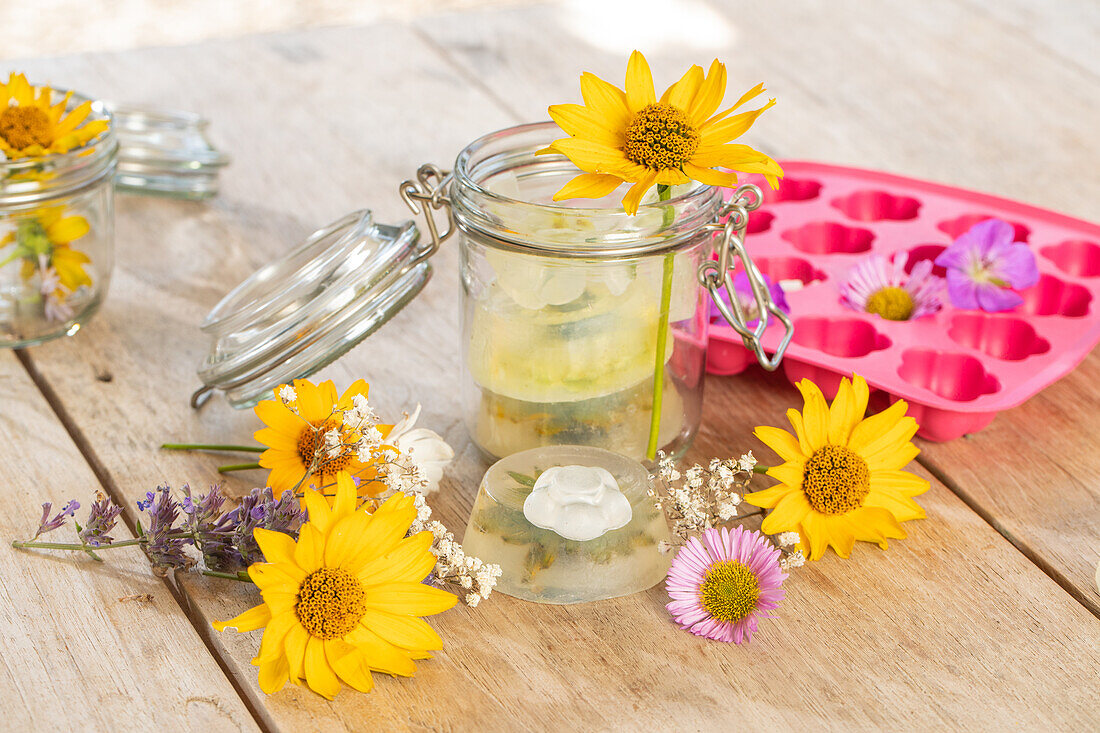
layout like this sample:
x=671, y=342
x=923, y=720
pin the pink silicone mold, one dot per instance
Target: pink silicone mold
x=956, y=369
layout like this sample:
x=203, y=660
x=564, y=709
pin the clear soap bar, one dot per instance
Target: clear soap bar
x=541, y=565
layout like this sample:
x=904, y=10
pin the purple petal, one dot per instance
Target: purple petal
x=1017, y=267
x=993, y=299
x=962, y=291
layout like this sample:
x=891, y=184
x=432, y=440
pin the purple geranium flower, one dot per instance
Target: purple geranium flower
x=984, y=267
x=743, y=290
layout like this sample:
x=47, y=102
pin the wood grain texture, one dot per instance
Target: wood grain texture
x=75, y=655
x=951, y=627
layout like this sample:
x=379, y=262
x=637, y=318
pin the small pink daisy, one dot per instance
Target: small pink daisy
x=878, y=285
x=719, y=586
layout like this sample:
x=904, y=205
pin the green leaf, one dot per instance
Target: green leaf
x=522, y=479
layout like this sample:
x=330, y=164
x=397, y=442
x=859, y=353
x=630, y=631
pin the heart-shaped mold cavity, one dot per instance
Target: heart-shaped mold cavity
x=792, y=189
x=953, y=376
x=955, y=228
x=926, y=252
x=779, y=269
x=759, y=221
x=844, y=337
x=1053, y=297
x=1075, y=257
x=872, y=205
x=827, y=237
x=1010, y=339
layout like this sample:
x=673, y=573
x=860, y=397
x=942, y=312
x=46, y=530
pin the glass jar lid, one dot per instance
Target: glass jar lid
x=165, y=152
x=298, y=313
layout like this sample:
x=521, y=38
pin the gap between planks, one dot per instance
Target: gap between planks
x=255, y=707
x=1030, y=553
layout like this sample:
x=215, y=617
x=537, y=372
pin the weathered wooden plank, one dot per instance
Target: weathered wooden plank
x=331, y=119
x=77, y=654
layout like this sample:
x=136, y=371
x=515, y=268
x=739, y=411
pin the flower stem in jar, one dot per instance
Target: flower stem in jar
x=664, y=193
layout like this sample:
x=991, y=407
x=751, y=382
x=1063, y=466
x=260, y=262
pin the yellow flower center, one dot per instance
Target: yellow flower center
x=22, y=127
x=836, y=480
x=311, y=438
x=893, y=304
x=729, y=591
x=661, y=137
x=330, y=603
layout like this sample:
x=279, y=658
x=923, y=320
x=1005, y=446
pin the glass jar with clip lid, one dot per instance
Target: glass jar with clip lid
x=580, y=324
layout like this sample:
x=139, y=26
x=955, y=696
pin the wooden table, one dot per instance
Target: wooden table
x=984, y=618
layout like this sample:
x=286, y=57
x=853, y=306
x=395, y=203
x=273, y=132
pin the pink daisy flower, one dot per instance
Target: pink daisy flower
x=721, y=585
x=878, y=285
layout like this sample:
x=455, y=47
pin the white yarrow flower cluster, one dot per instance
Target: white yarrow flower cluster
x=475, y=578
x=287, y=395
x=701, y=498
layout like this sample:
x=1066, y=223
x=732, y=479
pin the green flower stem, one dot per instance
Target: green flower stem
x=242, y=576
x=79, y=547
x=210, y=446
x=761, y=469
x=664, y=193
x=238, y=467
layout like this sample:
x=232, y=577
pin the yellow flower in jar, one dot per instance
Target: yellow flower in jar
x=31, y=125
x=632, y=136
x=46, y=237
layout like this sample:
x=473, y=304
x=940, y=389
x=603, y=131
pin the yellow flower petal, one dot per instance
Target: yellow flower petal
x=252, y=619
x=709, y=176
x=376, y=653
x=274, y=674
x=634, y=196
x=69, y=229
x=578, y=121
x=710, y=94
x=780, y=441
x=639, y=83
x=320, y=515
x=412, y=598
x=271, y=645
x=346, y=661
x=606, y=101
x=768, y=498
x=588, y=186
x=407, y=632
x=717, y=131
x=295, y=645
x=681, y=93
x=593, y=157
x=319, y=675
x=787, y=515
x=309, y=552
x=409, y=562
x=277, y=547
x=815, y=414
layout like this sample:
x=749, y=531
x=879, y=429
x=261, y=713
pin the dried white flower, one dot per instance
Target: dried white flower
x=746, y=462
x=786, y=539
x=426, y=448
x=287, y=395
x=333, y=444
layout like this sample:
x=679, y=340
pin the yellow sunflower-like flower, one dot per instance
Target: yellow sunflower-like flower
x=841, y=479
x=51, y=233
x=295, y=435
x=345, y=599
x=30, y=126
x=631, y=136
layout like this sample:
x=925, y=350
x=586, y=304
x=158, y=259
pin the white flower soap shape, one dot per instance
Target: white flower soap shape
x=577, y=502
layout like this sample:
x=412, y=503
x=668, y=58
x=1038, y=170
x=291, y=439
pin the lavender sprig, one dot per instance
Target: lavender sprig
x=101, y=520
x=222, y=537
x=49, y=525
